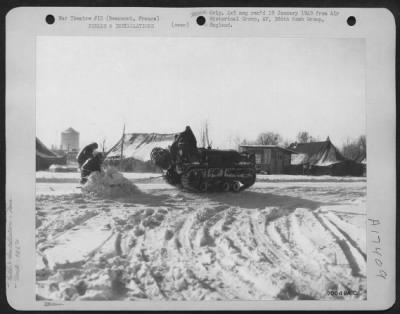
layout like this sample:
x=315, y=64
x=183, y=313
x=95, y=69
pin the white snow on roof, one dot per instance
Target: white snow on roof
x=327, y=162
x=298, y=159
x=139, y=146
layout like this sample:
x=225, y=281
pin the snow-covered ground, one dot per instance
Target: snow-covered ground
x=286, y=237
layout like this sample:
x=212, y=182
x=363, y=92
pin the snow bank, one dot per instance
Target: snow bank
x=74, y=177
x=305, y=178
x=60, y=168
x=110, y=183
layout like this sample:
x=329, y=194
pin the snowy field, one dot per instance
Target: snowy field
x=286, y=237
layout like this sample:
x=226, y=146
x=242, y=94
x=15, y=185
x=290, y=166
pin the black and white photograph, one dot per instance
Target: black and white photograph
x=200, y=158
x=200, y=169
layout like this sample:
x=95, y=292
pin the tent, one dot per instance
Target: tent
x=322, y=158
x=139, y=145
x=135, y=149
x=45, y=157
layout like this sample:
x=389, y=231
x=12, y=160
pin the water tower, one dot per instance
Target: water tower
x=69, y=140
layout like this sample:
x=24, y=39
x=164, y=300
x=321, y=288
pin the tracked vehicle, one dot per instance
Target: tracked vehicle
x=205, y=170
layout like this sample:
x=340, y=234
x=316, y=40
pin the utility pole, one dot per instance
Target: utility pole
x=104, y=146
x=122, y=148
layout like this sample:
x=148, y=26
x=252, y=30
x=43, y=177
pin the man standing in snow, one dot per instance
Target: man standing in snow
x=188, y=138
x=188, y=144
x=86, y=153
x=91, y=165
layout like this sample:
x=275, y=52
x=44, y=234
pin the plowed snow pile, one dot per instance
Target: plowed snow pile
x=110, y=183
x=279, y=240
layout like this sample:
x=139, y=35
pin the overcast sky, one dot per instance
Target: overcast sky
x=242, y=86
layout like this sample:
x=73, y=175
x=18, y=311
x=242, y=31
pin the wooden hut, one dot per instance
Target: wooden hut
x=271, y=159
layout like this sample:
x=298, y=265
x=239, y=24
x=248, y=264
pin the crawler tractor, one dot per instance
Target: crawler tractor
x=205, y=170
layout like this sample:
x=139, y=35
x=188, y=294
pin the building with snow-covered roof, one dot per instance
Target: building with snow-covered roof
x=271, y=159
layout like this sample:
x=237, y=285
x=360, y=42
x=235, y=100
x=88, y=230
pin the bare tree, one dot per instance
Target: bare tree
x=204, y=135
x=286, y=143
x=269, y=138
x=304, y=137
x=362, y=142
x=237, y=140
x=103, y=145
x=354, y=148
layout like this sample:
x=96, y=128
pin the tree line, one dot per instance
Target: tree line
x=274, y=138
x=353, y=148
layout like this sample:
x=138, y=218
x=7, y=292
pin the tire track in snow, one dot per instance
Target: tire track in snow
x=248, y=262
x=283, y=262
x=229, y=263
x=309, y=255
x=342, y=243
x=340, y=224
x=301, y=256
x=190, y=235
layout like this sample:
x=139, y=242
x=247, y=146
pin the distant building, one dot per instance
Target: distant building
x=271, y=159
x=69, y=140
x=322, y=158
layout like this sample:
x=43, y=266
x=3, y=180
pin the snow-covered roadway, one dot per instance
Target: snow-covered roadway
x=286, y=237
